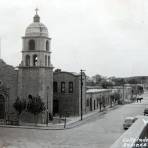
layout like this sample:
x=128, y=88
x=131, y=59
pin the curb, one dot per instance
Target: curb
x=31, y=127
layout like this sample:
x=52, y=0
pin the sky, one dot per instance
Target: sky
x=107, y=37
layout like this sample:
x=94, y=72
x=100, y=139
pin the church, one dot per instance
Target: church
x=34, y=75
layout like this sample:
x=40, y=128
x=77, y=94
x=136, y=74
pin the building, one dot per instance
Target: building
x=67, y=93
x=8, y=88
x=34, y=76
x=125, y=93
x=97, y=99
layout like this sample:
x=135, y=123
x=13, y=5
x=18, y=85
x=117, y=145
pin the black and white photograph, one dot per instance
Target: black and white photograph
x=73, y=74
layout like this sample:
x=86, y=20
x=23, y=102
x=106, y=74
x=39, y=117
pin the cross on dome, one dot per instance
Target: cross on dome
x=36, y=10
x=36, y=17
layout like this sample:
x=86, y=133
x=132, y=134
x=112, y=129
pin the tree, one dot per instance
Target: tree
x=97, y=79
x=140, y=89
x=106, y=84
x=35, y=106
x=132, y=81
x=19, y=106
x=119, y=81
x=116, y=96
x=89, y=81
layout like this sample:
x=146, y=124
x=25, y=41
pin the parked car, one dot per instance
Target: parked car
x=128, y=122
x=145, y=111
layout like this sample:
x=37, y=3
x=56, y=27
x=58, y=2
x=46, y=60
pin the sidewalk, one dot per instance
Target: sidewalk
x=76, y=121
x=71, y=122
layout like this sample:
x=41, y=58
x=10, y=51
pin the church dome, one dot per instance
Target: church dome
x=36, y=28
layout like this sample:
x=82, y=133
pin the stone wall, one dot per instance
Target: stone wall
x=34, y=81
x=8, y=76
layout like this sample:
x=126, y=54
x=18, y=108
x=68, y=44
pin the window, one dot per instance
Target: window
x=27, y=60
x=31, y=45
x=45, y=60
x=62, y=87
x=47, y=46
x=55, y=86
x=35, y=60
x=48, y=60
x=70, y=87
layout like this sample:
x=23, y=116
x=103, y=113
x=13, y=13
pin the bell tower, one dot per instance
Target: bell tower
x=35, y=76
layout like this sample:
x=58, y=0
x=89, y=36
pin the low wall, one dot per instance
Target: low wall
x=137, y=134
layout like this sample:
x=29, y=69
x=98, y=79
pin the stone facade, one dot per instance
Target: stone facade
x=8, y=81
x=36, y=82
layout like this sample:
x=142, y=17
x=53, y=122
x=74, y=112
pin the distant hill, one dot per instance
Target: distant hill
x=136, y=79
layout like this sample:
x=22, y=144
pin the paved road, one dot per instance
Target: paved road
x=100, y=132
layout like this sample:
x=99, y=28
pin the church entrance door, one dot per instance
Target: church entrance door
x=2, y=107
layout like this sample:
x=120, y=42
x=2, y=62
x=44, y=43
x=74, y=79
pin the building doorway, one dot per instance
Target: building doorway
x=55, y=107
x=2, y=107
x=90, y=104
x=94, y=104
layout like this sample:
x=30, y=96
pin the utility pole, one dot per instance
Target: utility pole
x=82, y=94
x=123, y=92
x=123, y=82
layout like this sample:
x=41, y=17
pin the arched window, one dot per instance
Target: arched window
x=62, y=87
x=35, y=60
x=70, y=87
x=31, y=45
x=27, y=60
x=47, y=46
x=48, y=60
x=45, y=60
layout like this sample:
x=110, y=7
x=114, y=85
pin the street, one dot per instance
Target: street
x=100, y=132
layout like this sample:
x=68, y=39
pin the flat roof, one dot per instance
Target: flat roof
x=72, y=73
x=97, y=90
